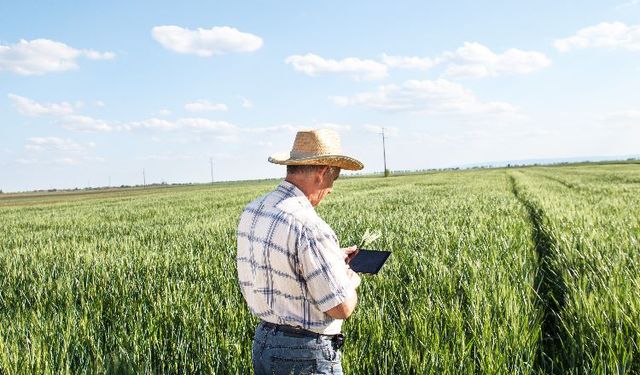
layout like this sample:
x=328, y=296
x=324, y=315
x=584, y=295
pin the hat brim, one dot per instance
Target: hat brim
x=340, y=161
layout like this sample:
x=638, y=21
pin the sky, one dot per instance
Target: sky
x=124, y=92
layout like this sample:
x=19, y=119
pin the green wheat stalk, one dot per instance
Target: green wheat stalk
x=369, y=237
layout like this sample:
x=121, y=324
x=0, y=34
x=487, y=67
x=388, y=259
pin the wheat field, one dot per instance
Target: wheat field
x=516, y=270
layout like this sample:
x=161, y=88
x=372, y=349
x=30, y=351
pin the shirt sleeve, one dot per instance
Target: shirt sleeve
x=323, y=269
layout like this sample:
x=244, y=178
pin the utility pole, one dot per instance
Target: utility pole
x=384, y=155
x=144, y=178
x=211, y=162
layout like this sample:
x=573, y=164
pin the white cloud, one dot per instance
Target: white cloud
x=55, y=143
x=66, y=160
x=202, y=125
x=409, y=62
x=40, y=56
x=205, y=106
x=622, y=116
x=630, y=3
x=433, y=97
x=388, y=130
x=96, y=55
x=228, y=138
x=603, y=35
x=206, y=42
x=276, y=128
x=239, y=134
x=164, y=112
x=268, y=144
x=494, y=134
x=165, y=157
x=334, y=126
x=246, y=103
x=471, y=60
x=313, y=65
x=30, y=107
x=56, y=151
x=295, y=128
x=627, y=120
x=475, y=60
x=152, y=123
x=196, y=125
x=86, y=124
x=65, y=116
x=27, y=161
x=64, y=112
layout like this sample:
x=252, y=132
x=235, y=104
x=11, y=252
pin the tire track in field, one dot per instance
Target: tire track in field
x=550, y=288
x=562, y=182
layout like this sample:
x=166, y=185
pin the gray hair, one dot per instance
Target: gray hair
x=303, y=169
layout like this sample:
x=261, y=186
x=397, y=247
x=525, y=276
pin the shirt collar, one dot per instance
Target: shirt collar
x=291, y=190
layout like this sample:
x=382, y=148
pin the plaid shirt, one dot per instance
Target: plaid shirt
x=290, y=266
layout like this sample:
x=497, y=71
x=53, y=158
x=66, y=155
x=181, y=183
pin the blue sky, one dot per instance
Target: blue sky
x=93, y=93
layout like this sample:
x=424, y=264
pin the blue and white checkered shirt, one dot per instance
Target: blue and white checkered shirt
x=290, y=266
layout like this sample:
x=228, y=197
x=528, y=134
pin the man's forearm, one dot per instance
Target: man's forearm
x=345, y=309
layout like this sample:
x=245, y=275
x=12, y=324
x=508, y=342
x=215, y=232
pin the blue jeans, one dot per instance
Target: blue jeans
x=277, y=352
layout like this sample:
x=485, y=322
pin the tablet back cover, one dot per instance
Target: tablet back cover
x=369, y=261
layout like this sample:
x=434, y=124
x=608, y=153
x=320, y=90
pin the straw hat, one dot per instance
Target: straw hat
x=317, y=147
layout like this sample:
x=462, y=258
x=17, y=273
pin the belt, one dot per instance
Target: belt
x=337, y=340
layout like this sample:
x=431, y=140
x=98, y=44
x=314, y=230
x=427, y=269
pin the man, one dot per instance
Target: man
x=291, y=270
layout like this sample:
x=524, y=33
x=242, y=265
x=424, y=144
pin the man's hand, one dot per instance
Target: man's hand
x=345, y=309
x=349, y=252
x=354, y=277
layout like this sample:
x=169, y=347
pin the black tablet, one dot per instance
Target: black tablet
x=368, y=261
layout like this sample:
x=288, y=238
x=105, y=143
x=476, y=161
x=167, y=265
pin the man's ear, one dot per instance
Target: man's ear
x=321, y=174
